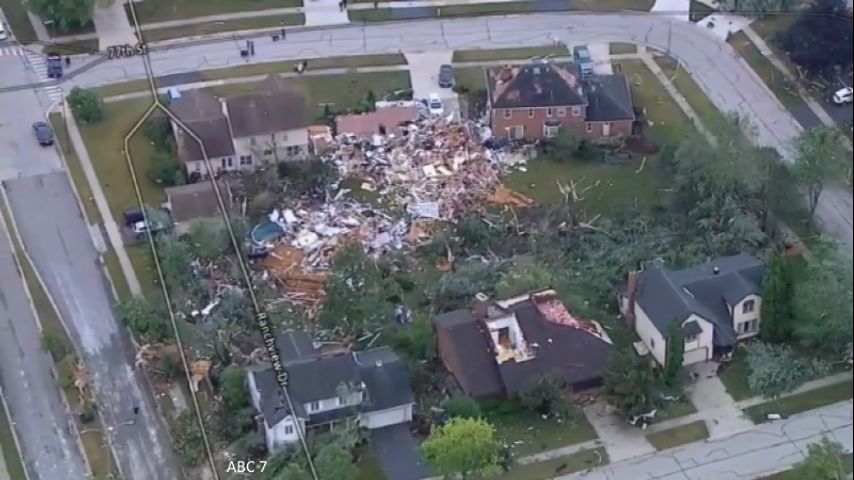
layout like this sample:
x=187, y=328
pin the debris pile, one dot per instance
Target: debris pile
x=396, y=190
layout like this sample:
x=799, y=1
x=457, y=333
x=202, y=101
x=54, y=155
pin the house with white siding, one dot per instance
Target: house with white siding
x=717, y=304
x=329, y=389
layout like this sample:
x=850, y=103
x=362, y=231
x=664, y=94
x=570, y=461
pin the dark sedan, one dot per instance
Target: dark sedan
x=446, y=76
x=43, y=133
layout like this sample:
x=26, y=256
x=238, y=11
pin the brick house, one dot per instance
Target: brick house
x=533, y=101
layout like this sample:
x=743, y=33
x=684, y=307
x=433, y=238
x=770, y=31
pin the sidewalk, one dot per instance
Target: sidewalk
x=110, y=225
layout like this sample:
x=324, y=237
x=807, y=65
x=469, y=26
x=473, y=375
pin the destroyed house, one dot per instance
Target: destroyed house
x=329, y=388
x=535, y=100
x=717, y=305
x=501, y=348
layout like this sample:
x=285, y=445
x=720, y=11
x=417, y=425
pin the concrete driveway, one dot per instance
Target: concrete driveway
x=424, y=76
x=397, y=453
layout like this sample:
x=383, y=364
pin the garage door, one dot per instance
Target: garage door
x=385, y=418
x=694, y=356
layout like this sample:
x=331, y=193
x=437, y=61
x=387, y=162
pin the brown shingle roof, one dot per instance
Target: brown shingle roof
x=367, y=124
x=276, y=107
x=215, y=135
x=196, y=105
x=196, y=200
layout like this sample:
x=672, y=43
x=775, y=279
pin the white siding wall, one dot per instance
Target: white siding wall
x=701, y=349
x=650, y=336
x=384, y=418
x=278, y=142
x=278, y=437
x=216, y=163
x=738, y=317
x=332, y=403
x=253, y=391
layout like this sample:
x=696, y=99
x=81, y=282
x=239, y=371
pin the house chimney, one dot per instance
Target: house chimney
x=480, y=306
x=716, y=270
x=631, y=295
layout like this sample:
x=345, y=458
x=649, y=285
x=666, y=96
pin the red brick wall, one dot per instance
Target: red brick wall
x=533, y=125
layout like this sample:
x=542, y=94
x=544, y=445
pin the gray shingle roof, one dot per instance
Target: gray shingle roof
x=608, y=98
x=536, y=85
x=276, y=107
x=295, y=346
x=214, y=134
x=386, y=379
x=477, y=371
x=705, y=290
x=196, y=200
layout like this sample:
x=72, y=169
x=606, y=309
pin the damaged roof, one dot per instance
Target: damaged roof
x=536, y=85
x=276, y=107
x=608, y=98
x=367, y=124
x=479, y=373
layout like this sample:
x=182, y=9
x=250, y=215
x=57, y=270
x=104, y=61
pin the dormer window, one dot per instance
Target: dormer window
x=748, y=306
x=314, y=406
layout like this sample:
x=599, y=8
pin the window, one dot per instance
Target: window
x=651, y=343
x=230, y=161
x=691, y=338
x=530, y=113
x=748, y=306
x=246, y=159
x=549, y=112
x=289, y=429
x=561, y=111
x=576, y=111
x=507, y=113
x=293, y=150
x=223, y=162
x=314, y=406
x=342, y=401
x=268, y=152
x=589, y=127
x=252, y=141
x=550, y=131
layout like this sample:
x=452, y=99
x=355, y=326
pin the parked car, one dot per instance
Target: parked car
x=434, y=104
x=843, y=96
x=43, y=133
x=54, y=66
x=446, y=76
x=3, y=33
x=582, y=57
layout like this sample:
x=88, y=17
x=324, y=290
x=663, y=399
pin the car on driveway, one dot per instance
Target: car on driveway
x=434, y=104
x=843, y=96
x=446, y=76
x=43, y=133
x=582, y=57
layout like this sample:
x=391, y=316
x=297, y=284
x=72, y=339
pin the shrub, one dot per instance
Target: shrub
x=86, y=105
x=461, y=406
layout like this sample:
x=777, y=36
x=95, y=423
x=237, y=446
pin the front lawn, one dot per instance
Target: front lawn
x=773, y=78
x=518, y=53
x=734, y=376
x=151, y=11
x=709, y=114
x=622, y=48
x=554, y=467
x=676, y=410
x=368, y=467
x=470, y=78
x=528, y=433
x=699, y=10
x=797, y=473
x=801, y=402
x=676, y=436
x=210, y=28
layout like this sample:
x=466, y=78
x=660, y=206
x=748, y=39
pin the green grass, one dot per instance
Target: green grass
x=535, y=434
x=734, y=377
x=114, y=269
x=619, y=187
x=18, y=21
x=674, y=437
x=483, y=9
x=520, y=53
x=699, y=10
x=621, y=48
x=779, y=84
x=798, y=473
x=163, y=10
x=669, y=122
x=8, y=448
x=676, y=410
x=75, y=47
x=575, y=462
x=709, y=114
x=587, y=5
x=368, y=467
x=143, y=265
x=198, y=29
x=769, y=26
x=470, y=78
x=343, y=91
x=801, y=402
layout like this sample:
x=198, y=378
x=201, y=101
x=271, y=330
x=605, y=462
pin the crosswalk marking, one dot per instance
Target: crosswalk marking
x=12, y=52
x=54, y=93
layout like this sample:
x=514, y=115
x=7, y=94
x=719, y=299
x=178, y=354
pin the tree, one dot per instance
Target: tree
x=293, y=471
x=86, y=105
x=334, y=461
x=778, y=290
x=158, y=130
x=261, y=204
x=675, y=354
x=251, y=445
x=461, y=406
x=823, y=300
x=356, y=293
x=207, y=238
x=543, y=394
x=187, y=438
x=825, y=461
x=523, y=277
x=820, y=40
x=165, y=169
x=630, y=385
x=175, y=258
x=775, y=369
x=759, y=8
x=820, y=158
x=54, y=344
x=233, y=389
x=462, y=446
x=63, y=13
x=144, y=318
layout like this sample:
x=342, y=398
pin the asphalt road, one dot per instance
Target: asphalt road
x=59, y=243
x=747, y=455
x=48, y=446
x=717, y=68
